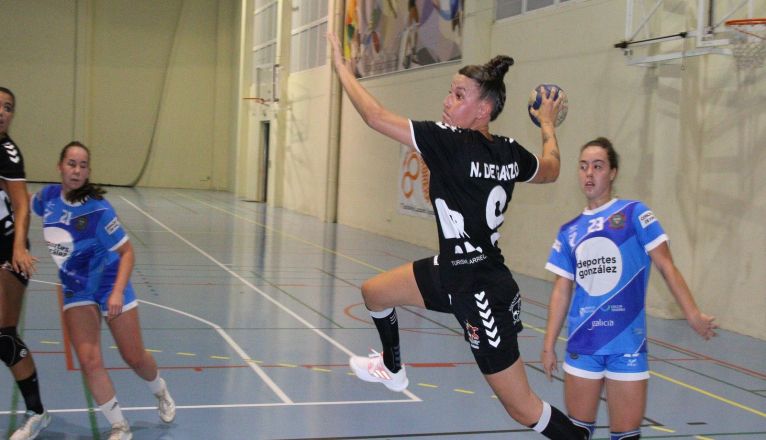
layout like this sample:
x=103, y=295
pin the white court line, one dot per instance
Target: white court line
x=223, y=406
x=308, y=325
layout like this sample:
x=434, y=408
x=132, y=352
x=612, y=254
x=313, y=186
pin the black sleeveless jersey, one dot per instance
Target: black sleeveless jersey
x=11, y=168
x=472, y=180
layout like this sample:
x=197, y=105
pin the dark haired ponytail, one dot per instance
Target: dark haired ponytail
x=606, y=144
x=499, y=65
x=87, y=190
x=490, y=79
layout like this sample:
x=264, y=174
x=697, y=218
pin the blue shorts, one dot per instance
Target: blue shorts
x=99, y=298
x=625, y=367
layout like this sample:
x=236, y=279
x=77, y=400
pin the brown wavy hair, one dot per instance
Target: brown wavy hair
x=88, y=190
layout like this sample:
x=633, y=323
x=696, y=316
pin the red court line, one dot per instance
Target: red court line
x=686, y=351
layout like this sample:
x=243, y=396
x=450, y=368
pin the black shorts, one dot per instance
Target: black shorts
x=490, y=317
x=6, y=256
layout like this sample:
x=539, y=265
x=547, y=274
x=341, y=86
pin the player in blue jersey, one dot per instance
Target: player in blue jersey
x=16, y=265
x=95, y=260
x=473, y=173
x=604, y=256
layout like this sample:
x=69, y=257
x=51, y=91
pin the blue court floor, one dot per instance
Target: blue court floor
x=252, y=313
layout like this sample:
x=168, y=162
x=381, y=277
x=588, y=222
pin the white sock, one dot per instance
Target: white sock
x=545, y=417
x=112, y=411
x=156, y=386
x=382, y=313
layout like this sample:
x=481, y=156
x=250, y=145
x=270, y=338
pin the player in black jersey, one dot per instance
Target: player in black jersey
x=473, y=174
x=16, y=265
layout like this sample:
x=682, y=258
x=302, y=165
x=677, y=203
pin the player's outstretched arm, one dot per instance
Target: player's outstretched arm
x=557, y=312
x=550, y=160
x=701, y=323
x=372, y=112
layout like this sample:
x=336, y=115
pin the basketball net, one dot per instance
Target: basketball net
x=748, y=42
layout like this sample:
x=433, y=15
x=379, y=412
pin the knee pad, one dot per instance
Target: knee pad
x=12, y=348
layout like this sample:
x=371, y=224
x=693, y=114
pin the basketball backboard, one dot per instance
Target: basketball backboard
x=662, y=31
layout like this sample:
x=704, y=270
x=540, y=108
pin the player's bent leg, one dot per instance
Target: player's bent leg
x=381, y=294
x=396, y=287
x=84, y=327
x=627, y=404
x=582, y=397
x=126, y=330
x=523, y=405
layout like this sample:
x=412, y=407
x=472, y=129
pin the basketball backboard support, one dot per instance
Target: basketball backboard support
x=266, y=81
x=662, y=31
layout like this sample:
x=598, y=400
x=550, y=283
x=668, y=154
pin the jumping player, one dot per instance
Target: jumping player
x=95, y=259
x=605, y=255
x=16, y=266
x=472, y=177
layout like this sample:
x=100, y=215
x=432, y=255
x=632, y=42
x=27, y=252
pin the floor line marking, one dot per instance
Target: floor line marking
x=709, y=394
x=260, y=292
x=282, y=233
x=242, y=354
x=224, y=406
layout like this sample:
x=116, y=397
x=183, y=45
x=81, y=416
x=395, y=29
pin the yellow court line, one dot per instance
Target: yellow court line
x=151, y=350
x=183, y=353
x=226, y=358
x=660, y=428
x=699, y=437
x=285, y=234
x=321, y=370
x=428, y=385
x=460, y=390
x=709, y=394
x=50, y=342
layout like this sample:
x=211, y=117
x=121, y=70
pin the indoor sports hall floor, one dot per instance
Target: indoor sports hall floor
x=252, y=312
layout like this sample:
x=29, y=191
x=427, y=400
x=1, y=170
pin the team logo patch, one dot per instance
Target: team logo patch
x=68, y=294
x=617, y=221
x=557, y=246
x=472, y=333
x=112, y=226
x=646, y=219
x=81, y=223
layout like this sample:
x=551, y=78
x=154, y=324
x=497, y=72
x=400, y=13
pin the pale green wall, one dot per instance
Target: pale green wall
x=134, y=80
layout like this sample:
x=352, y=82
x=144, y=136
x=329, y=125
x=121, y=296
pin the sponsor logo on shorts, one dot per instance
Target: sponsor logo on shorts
x=112, y=226
x=473, y=334
x=646, y=219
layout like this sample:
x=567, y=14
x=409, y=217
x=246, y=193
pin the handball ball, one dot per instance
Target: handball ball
x=535, y=99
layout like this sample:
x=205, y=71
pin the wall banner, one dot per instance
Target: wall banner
x=383, y=36
x=414, y=179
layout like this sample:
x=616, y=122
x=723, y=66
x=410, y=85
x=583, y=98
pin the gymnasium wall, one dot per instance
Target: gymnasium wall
x=149, y=86
x=690, y=136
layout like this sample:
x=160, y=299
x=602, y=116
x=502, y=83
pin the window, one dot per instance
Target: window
x=511, y=8
x=309, y=27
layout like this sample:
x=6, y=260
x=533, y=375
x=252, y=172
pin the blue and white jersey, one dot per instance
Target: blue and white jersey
x=81, y=239
x=606, y=253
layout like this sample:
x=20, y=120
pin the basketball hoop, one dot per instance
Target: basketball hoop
x=748, y=41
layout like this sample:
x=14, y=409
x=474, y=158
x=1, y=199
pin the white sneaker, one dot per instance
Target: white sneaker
x=165, y=404
x=372, y=369
x=32, y=426
x=120, y=431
